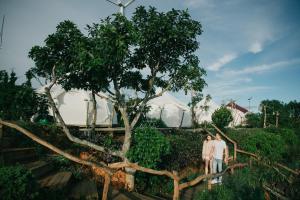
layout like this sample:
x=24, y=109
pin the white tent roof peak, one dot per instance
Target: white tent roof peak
x=76, y=109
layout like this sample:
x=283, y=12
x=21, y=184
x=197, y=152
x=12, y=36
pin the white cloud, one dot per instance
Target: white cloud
x=256, y=47
x=198, y=3
x=258, y=68
x=222, y=61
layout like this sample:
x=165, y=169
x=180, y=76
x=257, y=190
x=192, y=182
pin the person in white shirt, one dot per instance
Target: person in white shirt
x=207, y=153
x=220, y=153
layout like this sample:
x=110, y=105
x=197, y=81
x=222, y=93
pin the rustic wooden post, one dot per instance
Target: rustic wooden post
x=277, y=116
x=209, y=184
x=181, y=121
x=234, y=151
x=1, y=135
x=267, y=195
x=1, y=131
x=106, y=186
x=176, y=187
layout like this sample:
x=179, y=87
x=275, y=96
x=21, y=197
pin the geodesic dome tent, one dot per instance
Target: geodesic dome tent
x=75, y=107
x=202, y=114
x=170, y=110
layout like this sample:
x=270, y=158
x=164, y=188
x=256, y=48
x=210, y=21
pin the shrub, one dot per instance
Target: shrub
x=186, y=148
x=222, y=117
x=218, y=192
x=268, y=145
x=245, y=185
x=254, y=120
x=148, y=148
x=17, y=183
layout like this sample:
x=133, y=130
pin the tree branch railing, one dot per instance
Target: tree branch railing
x=111, y=168
x=236, y=150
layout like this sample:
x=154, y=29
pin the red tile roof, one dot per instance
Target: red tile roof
x=235, y=106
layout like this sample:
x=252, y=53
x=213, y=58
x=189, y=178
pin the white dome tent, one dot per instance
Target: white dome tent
x=204, y=115
x=75, y=107
x=172, y=112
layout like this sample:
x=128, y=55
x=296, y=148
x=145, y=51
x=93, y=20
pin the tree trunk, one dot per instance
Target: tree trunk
x=126, y=146
x=176, y=192
x=94, y=111
x=129, y=185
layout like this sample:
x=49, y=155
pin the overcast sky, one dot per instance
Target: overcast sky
x=249, y=48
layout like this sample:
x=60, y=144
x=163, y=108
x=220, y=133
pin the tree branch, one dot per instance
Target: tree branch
x=55, y=149
x=202, y=177
x=71, y=137
x=275, y=193
x=143, y=169
x=54, y=79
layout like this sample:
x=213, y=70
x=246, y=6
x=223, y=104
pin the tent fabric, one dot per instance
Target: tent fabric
x=172, y=112
x=76, y=106
x=203, y=115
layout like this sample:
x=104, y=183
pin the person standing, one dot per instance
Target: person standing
x=207, y=153
x=220, y=153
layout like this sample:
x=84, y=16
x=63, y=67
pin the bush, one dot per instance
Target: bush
x=222, y=117
x=148, y=147
x=268, y=145
x=245, y=185
x=186, y=149
x=218, y=192
x=253, y=120
x=17, y=183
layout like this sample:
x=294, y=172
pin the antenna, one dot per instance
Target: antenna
x=121, y=5
x=1, y=33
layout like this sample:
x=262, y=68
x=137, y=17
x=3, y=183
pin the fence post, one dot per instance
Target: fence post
x=176, y=187
x=209, y=184
x=1, y=131
x=234, y=151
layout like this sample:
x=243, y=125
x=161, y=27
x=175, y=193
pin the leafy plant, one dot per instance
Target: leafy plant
x=222, y=117
x=186, y=148
x=17, y=183
x=149, y=146
x=219, y=192
x=19, y=101
x=254, y=120
x=268, y=145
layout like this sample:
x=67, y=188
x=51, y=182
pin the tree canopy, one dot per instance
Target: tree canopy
x=126, y=58
x=19, y=102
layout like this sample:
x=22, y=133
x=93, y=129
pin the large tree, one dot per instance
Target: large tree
x=20, y=101
x=127, y=59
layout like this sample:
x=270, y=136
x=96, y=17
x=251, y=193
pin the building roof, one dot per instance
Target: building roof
x=235, y=106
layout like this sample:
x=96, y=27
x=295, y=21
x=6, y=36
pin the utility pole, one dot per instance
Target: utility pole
x=265, y=116
x=121, y=5
x=1, y=33
x=277, y=118
x=249, y=103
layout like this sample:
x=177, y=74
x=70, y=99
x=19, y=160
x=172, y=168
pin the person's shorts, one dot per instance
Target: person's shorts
x=206, y=158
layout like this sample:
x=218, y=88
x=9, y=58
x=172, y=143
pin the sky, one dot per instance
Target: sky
x=250, y=49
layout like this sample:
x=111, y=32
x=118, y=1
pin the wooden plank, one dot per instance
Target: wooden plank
x=122, y=129
x=57, y=180
x=104, y=129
